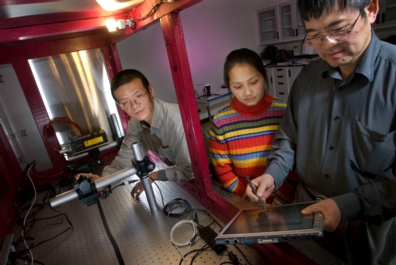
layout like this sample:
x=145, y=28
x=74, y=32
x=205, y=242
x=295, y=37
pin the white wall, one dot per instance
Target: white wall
x=212, y=29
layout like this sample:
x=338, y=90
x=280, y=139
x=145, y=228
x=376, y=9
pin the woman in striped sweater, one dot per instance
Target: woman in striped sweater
x=242, y=132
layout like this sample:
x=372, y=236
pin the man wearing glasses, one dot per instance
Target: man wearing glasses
x=338, y=132
x=155, y=124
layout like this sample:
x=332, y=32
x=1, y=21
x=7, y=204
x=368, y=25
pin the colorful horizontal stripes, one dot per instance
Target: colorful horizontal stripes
x=240, y=142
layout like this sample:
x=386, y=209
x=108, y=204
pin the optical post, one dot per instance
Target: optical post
x=143, y=167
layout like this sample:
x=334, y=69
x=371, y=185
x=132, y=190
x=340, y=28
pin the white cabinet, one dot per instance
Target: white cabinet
x=291, y=26
x=280, y=83
x=271, y=84
x=281, y=79
x=386, y=15
x=268, y=24
x=280, y=23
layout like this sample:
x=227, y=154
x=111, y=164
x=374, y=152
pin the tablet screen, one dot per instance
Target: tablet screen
x=278, y=218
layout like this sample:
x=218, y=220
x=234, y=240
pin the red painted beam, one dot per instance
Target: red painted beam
x=58, y=25
x=181, y=74
x=22, y=2
x=53, y=29
x=55, y=47
x=144, y=18
x=201, y=186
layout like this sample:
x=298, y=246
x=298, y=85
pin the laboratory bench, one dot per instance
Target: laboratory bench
x=123, y=230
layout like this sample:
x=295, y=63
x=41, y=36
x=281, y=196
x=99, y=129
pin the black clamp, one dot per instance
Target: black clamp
x=86, y=190
x=143, y=167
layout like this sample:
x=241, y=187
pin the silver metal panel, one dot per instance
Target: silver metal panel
x=76, y=86
x=18, y=122
x=142, y=237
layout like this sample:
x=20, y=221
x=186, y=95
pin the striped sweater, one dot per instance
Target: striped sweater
x=240, y=142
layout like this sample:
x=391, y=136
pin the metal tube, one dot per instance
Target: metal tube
x=148, y=189
x=100, y=183
x=137, y=152
x=63, y=198
x=115, y=124
x=115, y=177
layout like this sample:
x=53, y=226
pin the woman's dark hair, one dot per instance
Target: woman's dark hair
x=243, y=56
x=309, y=9
x=125, y=77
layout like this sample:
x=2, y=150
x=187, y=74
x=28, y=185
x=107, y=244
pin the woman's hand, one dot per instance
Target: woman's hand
x=264, y=184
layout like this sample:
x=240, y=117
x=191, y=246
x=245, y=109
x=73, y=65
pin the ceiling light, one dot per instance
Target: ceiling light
x=112, y=5
x=113, y=24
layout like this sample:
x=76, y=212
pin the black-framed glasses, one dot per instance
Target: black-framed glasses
x=126, y=104
x=333, y=37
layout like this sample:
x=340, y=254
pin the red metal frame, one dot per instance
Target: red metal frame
x=143, y=9
x=178, y=59
x=54, y=29
x=41, y=43
x=11, y=179
x=34, y=50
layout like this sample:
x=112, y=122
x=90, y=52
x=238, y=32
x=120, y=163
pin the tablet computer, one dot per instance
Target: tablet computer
x=275, y=224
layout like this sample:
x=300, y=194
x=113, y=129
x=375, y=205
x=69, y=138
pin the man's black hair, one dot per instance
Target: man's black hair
x=314, y=9
x=125, y=77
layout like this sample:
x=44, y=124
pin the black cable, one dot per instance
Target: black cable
x=34, y=261
x=151, y=11
x=162, y=197
x=119, y=185
x=206, y=246
x=262, y=257
x=133, y=181
x=110, y=236
x=207, y=213
x=176, y=202
x=196, y=219
x=243, y=255
x=32, y=245
x=49, y=239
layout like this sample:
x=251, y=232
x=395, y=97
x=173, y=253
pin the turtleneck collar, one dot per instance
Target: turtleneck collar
x=261, y=106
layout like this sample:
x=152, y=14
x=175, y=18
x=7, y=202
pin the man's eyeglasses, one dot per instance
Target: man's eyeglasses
x=333, y=37
x=126, y=104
